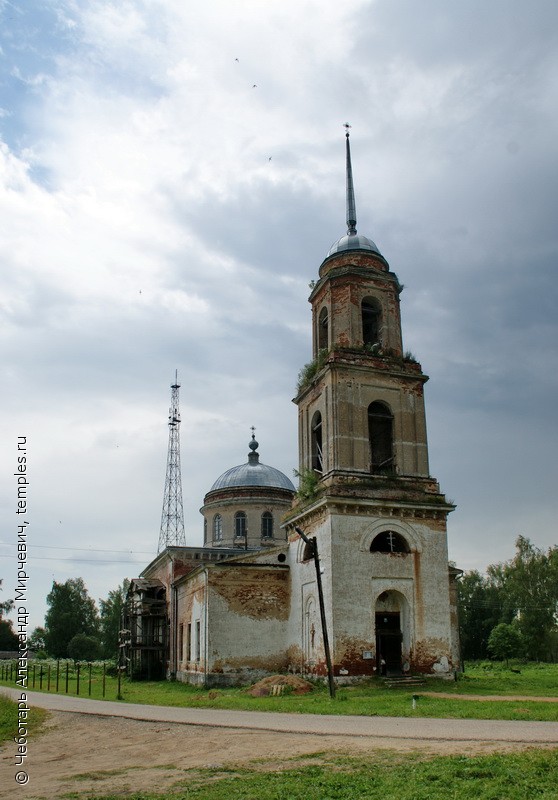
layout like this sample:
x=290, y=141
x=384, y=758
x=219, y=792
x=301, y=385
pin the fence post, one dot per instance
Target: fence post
x=67, y=676
x=34, y=668
x=90, y=669
x=78, y=669
x=104, y=676
x=57, y=673
x=48, y=679
x=41, y=677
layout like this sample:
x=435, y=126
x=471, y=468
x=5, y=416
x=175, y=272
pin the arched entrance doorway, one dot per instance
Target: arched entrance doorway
x=389, y=633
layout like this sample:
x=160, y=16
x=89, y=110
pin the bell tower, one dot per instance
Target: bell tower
x=378, y=515
x=362, y=412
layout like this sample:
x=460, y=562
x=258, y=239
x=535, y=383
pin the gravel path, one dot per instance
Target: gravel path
x=96, y=747
x=420, y=728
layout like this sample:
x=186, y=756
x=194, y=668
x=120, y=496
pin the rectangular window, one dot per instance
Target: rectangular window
x=181, y=642
x=189, y=642
x=198, y=640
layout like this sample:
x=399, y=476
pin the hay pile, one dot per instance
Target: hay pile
x=287, y=683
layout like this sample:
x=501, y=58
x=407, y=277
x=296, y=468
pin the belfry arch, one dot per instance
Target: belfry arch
x=371, y=316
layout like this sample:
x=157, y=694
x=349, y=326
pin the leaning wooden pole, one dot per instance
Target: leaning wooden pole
x=313, y=542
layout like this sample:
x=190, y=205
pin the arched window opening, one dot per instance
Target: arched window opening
x=267, y=525
x=380, y=432
x=323, y=325
x=240, y=524
x=389, y=542
x=371, y=319
x=316, y=440
x=205, y=531
x=217, y=528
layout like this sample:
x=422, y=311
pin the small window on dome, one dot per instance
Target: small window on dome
x=267, y=525
x=240, y=524
x=217, y=528
x=389, y=542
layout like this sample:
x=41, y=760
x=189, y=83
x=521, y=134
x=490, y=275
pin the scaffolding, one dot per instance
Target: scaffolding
x=144, y=639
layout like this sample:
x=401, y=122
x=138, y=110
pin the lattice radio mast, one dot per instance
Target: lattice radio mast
x=172, y=519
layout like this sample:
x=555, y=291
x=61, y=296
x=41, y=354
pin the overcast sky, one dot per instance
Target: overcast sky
x=172, y=176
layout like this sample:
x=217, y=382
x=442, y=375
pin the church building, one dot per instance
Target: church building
x=246, y=604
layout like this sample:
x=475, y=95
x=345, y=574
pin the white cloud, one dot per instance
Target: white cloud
x=145, y=228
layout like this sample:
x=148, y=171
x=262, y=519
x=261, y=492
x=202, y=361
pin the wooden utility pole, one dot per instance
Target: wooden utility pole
x=313, y=542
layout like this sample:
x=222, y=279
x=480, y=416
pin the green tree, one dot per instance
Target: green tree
x=5, y=605
x=111, y=615
x=82, y=647
x=505, y=642
x=8, y=638
x=481, y=607
x=70, y=611
x=36, y=640
x=529, y=584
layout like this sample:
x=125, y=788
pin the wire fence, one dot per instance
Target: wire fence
x=88, y=679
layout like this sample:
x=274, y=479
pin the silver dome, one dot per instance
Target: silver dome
x=253, y=474
x=352, y=241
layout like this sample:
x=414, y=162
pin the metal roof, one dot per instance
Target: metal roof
x=353, y=241
x=253, y=474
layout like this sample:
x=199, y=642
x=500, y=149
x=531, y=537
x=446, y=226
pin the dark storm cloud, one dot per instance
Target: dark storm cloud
x=163, y=237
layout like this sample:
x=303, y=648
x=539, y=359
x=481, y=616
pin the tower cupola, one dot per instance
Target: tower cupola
x=355, y=302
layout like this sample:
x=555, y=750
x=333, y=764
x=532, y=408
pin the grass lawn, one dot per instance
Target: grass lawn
x=8, y=719
x=326, y=776
x=371, y=699
x=391, y=776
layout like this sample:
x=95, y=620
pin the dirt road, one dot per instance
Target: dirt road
x=91, y=746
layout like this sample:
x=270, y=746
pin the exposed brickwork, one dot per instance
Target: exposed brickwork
x=249, y=592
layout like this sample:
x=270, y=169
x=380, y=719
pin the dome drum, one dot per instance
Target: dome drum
x=248, y=495
x=245, y=505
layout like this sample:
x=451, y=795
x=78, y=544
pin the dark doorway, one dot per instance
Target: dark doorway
x=388, y=643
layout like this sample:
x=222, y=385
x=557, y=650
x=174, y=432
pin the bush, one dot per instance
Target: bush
x=310, y=370
x=84, y=648
x=505, y=642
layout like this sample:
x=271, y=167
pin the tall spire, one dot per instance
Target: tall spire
x=172, y=518
x=351, y=206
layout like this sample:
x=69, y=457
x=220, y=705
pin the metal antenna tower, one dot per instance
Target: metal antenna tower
x=172, y=519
